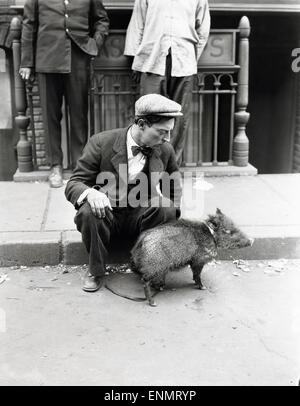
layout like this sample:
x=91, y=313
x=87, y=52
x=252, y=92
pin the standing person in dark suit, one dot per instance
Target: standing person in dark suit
x=58, y=39
x=166, y=39
x=115, y=185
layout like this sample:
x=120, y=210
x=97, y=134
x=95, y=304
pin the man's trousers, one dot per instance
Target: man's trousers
x=126, y=222
x=178, y=89
x=74, y=86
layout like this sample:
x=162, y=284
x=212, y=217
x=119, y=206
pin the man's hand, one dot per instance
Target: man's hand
x=98, y=202
x=136, y=76
x=25, y=73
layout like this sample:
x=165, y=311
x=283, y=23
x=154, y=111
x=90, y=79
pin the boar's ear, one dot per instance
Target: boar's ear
x=218, y=211
x=213, y=221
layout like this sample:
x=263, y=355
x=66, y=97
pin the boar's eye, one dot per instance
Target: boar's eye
x=227, y=231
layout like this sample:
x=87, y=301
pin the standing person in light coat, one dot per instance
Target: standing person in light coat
x=166, y=39
x=58, y=39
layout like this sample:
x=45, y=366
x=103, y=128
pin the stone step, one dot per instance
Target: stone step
x=52, y=248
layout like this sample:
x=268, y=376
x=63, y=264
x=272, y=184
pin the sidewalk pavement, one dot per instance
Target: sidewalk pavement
x=239, y=331
x=37, y=227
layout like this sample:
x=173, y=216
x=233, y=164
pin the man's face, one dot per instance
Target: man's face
x=157, y=133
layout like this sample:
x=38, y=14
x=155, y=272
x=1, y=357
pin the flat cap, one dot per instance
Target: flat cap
x=157, y=105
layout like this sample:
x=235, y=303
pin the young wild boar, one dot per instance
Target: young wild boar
x=177, y=244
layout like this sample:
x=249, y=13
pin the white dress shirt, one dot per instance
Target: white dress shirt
x=135, y=163
x=158, y=25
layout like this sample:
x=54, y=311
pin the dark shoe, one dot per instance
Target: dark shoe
x=56, y=177
x=92, y=283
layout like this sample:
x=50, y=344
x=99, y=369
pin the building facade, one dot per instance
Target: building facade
x=274, y=84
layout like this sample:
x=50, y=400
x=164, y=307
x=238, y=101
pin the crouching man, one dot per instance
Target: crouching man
x=126, y=181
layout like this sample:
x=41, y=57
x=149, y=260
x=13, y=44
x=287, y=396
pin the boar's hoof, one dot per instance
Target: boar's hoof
x=200, y=286
x=148, y=294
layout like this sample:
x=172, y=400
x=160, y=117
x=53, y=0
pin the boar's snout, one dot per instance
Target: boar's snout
x=248, y=242
x=245, y=242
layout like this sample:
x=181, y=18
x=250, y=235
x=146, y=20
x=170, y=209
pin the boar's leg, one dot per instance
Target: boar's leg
x=197, y=268
x=158, y=283
x=148, y=293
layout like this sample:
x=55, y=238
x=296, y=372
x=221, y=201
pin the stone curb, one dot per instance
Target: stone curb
x=30, y=248
x=266, y=248
x=74, y=252
x=52, y=248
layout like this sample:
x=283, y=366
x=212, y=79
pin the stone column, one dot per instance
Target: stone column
x=241, y=142
x=24, y=148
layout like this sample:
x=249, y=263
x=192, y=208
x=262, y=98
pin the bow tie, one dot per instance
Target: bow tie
x=147, y=151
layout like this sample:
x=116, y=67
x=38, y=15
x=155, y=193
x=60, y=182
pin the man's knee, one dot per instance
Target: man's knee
x=164, y=209
x=166, y=214
x=84, y=215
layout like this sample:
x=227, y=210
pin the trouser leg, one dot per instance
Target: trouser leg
x=152, y=83
x=180, y=90
x=154, y=216
x=51, y=93
x=144, y=218
x=76, y=92
x=96, y=234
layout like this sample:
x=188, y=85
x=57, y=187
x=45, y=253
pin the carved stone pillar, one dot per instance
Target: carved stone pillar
x=24, y=148
x=241, y=142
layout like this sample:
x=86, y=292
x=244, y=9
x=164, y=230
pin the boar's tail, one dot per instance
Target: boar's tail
x=137, y=245
x=135, y=254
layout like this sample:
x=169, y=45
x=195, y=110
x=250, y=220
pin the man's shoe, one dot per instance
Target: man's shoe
x=92, y=283
x=55, y=177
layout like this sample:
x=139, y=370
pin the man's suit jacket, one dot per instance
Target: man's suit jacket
x=105, y=152
x=50, y=26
